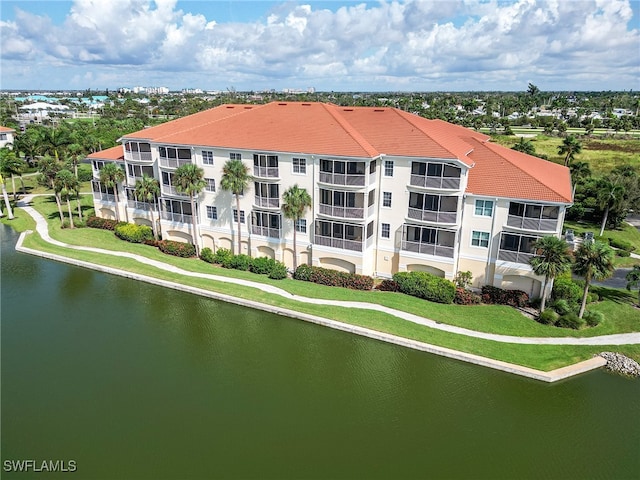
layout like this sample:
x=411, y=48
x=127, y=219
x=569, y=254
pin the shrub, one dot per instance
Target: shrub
x=466, y=297
x=463, y=279
x=278, y=271
x=303, y=272
x=623, y=253
x=222, y=255
x=333, y=278
x=567, y=289
x=237, y=262
x=387, y=286
x=570, y=320
x=206, y=254
x=103, y=223
x=562, y=306
x=548, y=317
x=593, y=297
x=178, y=249
x=621, y=244
x=262, y=265
x=425, y=285
x=85, y=175
x=133, y=233
x=499, y=296
x=593, y=318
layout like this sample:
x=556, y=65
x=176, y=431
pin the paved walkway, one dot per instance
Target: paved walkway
x=618, y=339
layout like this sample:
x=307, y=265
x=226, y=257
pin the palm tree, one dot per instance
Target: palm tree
x=147, y=188
x=48, y=168
x=609, y=194
x=10, y=164
x=235, y=179
x=524, y=146
x=55, y=141
x=110, y=175
x=65, y=184
x=593, y=261
x=579, y=171
x=570, y=148
x=189, y=179
x=633, y=280
x=6, y=199
x=296, y=201
x=551, y=258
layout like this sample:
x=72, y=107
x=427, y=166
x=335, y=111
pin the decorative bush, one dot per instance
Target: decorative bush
x=592, y=318
x=570, y=320
x=133, y=233
x=425, y=285
x=222, y=255
x=237, y=262
x=262, y=265
x=333, y=278
x=499, y=296
x=278, y=271
x=206, y=254
x=623, y=253
x=387, y=286
x=103, y=223
x=562, y=307
x=548, y=317
x=463, y=279
x=178, y=249
x=466, y=297
x=567, y=289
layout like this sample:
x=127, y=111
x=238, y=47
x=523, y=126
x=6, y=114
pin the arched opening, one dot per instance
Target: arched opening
x=521, y=282
x=264, y=251
x=338, y=264
x=418, y=267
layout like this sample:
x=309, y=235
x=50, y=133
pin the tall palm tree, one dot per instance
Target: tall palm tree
x=65, y=184
x=10, y=164
x=579, y=171
x=570, y=148
x=189, y=179
x=609, y=194
x=6, y=199
x=524, y=146
x=55, y=141
x=551, y=258
x=633, y=280
x=110, y=175
x=148, y=189
x=593, y=261
x=296, y=201
x=236, y=179
x=48, y=168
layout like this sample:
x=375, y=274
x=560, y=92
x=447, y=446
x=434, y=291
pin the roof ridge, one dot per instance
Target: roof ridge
x=409, y=119
x=332, y=109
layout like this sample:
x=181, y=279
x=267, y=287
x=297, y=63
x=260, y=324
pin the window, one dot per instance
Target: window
x=484, y=208
x=235, y=156
x=210, y=185
x=3, y=136
x=301, y=225
x=212, y=212
x=386, y=230
x=207, y=157
x=300, y=166
x=235, y=215
x=388, y=168
x=386, y=199
x=480, y=239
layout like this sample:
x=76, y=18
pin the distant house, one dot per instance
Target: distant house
x=391, y=191
x=6, y=136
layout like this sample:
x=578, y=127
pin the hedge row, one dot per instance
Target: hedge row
x=261, y=265
x=178, y=249
x=333, y=278
x=134, y=233
x=499, y=296
x=103, y=223
x=425, y=285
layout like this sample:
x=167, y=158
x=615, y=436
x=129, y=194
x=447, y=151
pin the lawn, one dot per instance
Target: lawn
x=621, y=316
x=627, y=233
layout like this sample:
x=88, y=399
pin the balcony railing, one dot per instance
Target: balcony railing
x=137, y=156
x=177, y=217
x=342, y=179
x=538, y=224
x=355, y=245
x=268, y=202
x=173, y=162
x=428, y=249
x=515, y=257
x=449, y=183
x=171, y=190
x=104, y=197
x=265, y=172
x=266, y=231
x=342, y=212
x=140, y=205
x=432, y=216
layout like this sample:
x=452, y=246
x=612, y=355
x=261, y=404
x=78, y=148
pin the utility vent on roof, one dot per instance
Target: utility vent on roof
x=282, y=104
x=348, y=109
x=248, y=107
x=230, y=106
x=306, y=104
x=378, y=109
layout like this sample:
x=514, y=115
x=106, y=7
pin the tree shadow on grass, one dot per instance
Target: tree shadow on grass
x=614, y=294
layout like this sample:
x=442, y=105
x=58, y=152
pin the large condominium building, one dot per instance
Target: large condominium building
x=391, y=191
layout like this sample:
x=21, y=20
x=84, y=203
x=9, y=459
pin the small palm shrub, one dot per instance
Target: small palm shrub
x=593, y=318
x=570, y=320
x=548, y=317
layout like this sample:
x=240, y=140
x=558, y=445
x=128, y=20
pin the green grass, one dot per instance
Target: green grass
x=626, y=233
x=620, y=315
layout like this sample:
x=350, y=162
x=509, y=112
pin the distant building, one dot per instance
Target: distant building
x=391, y=191
x=6, y=137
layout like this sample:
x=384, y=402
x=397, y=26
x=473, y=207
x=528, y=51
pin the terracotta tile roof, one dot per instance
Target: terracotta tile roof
x=113, y=153
x=6, y=129
x=327, y=129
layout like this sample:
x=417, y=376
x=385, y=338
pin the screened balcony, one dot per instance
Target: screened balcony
x=135, y=203
x=136, y=172
x=267, y=195
x=171, y=157
x=433, y=208
x=137, y=152
x=350, y=205
x=166, y=186
x=516, y=248
x=428, y=241
x=342, y=235
x=543, y=218
x=266, y=224
x=102, y=193
x=353, y=174
x=175, y=211
x=435, y=175
x=265, y=166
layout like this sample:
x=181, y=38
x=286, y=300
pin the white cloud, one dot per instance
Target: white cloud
x=476, y=44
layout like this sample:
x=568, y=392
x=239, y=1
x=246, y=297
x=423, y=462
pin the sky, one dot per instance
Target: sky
x=407, y=45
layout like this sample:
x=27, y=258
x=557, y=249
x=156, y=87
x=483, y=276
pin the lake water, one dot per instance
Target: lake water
x=133, y=381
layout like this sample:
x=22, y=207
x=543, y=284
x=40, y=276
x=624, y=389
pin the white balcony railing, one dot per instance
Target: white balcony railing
x=104, y=197
x=171, y=190
x=177, y=217
x=342, y=179
x=537, y=224
x=428, y=249
x=137, y=156
x=146, y=206
x=268, y=202
x=173, y=162
x=266, y=231
x=342, y=212
x=355, y=245
x=449, y=183
x=515, y=257
x=265, y=172
x=432, y=216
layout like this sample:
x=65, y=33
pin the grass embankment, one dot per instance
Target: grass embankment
x=626, y=233
x=621, y=316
